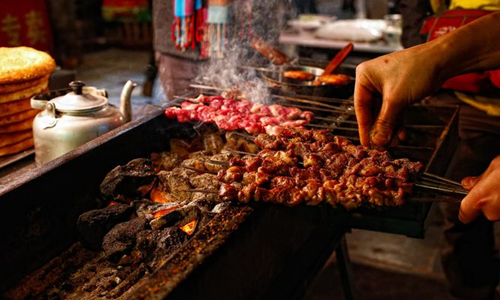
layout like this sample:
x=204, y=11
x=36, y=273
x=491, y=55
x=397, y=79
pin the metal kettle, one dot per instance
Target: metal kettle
x=74, y=116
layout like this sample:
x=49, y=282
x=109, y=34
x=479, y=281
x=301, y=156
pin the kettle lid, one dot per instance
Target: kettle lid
x=80, y=99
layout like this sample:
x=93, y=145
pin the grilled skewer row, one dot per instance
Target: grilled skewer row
x=315, y=166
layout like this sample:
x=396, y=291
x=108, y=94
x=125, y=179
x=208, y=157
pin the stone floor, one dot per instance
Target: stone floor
x=385, y=266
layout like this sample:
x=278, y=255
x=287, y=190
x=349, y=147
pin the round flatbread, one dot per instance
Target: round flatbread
x=14, y=137
x=12, y=87
x=13, y=107
x=22, y=94
x=18, y=126
x=18, y=117
x=18, y=64
x=17, y=147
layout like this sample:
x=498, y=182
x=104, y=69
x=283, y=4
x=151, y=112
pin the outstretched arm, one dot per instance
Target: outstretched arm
x=407, y=76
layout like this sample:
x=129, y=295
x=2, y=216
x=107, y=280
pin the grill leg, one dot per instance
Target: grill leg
x=344, y=264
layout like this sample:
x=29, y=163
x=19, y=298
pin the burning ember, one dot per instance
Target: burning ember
x=190, y=227
x=150, y=213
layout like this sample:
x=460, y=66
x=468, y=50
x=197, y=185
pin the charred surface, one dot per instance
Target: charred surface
x=131, y=181
x=94, y=224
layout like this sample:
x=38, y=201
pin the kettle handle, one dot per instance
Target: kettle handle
x=40, y=101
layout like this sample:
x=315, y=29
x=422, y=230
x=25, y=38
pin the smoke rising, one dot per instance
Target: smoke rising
x=248, y=19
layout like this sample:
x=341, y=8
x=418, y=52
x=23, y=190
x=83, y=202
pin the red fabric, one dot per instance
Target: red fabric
x=25, y=23
x=437, y=26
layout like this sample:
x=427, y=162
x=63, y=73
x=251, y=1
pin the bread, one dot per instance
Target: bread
x=14, y=137
x=13, y=107
x=18, y=126
x=17, y=147
x=22, y=94
x=19, y=64
x=12, y=87
x=18, y=117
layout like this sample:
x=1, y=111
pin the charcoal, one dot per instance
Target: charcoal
x=121, y=239
x=175, y=183
x=157, y=245
x=221, y=206
x=129, y=182
x=94, y=224
x=202, y=204
x=178, y=217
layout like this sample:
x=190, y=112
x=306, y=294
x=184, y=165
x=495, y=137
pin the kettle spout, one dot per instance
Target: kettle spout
x=125, y=104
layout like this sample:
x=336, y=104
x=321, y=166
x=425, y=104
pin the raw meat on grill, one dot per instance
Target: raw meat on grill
x=229, y=114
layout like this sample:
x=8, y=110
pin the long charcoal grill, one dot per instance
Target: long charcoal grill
x=261, y=251
x=41, y=207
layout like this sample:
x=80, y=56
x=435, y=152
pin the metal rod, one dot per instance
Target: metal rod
x=291, y=99
x=326, y=99
x=241, y=152
x=442, y=178
x=437, y=181
x=198, y=170
x=435, y=199
x=201, y=191
x=343, y=111
x=433, y=185
x=335, y=120
x=332, y=127
x=441, y=189
x=246, y=136
x=311, y=101
x=218, y=162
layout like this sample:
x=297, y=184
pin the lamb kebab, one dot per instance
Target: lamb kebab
x=313, y=166
x=229, y=114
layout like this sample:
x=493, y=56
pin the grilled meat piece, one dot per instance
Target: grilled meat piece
x=315, y=166
x=334, y=79
x=298, y=75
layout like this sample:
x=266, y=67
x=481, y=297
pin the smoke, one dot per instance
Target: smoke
x=248, y=19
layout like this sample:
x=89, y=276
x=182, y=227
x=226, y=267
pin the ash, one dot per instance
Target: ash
x=148, y=215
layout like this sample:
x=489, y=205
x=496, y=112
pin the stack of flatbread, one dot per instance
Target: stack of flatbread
x=24, y=72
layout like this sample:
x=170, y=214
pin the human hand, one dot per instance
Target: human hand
x=402, y=78
x=484, y=195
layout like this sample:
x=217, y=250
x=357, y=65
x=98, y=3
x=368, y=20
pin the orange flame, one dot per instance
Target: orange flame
x=162, y=212
x=159, y=197
x=189, y=227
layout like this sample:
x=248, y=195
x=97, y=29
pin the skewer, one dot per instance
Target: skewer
x=326, y=99
x=343, y=111
x=290, y=99
x=218, y=162
x=441, y=183
x=441, y=189
x=296, y=99
x=434, y=199
x=198, y=170
x=335, y=120
x=332, y=127
x=246, y=136
x=429, y=175
x=241, y=152
x=201, y=191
